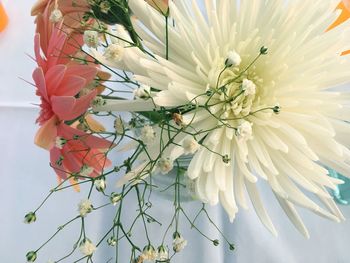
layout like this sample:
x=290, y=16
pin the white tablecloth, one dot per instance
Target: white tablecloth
x=26, y=177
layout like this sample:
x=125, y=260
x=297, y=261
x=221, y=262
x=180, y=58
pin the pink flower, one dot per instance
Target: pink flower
x=59, y=81
x=80, y=153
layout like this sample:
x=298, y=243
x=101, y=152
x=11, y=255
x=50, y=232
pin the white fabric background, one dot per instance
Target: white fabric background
x=26, y=177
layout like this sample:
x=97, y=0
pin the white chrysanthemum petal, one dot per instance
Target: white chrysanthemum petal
x=125, y=105
x=293, y=215
x=259, y=207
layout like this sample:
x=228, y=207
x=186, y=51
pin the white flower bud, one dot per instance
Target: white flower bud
x=112, y=241
x=115, y=198
x=85, y=207
x=233, y=59
x=114, y=52
x=119, y=125
x=165, y=165
x=100, y=184
x=86, y=171
x=162, y=254
x=56, y=16
x=148, y=135
x=105, y=6
x=190, y=145
x=60, y=142
x=248, y=87
x=143, y=92
x=149, y=253
x=179, y=243
x=91, y=38
x=87, y=248
x=244, y=130
x=99, y=101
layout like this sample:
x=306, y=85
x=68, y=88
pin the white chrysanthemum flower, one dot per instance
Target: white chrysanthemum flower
x=91, y=38
x=85, y=207
x=86, y=247
x=289, y=150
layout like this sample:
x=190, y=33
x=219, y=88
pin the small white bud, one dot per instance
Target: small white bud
x=119, y=125
x=149, y=253
x=148, y=135
x=115, y=198
x=91, y=38
x=105, y=6
x=162, y=254
x=100, y=184
x=165, y=165
x=114, y=52
x=86, y=247
x=248, y=87
x=143, y=92
x=85, y=207
x=60, y=142
x=112, y=241
x=179, y=243
x=244, y=130
x=233, y=59
x=56, y=16
x=99, y=101
x=86, y=171
x=190, y=145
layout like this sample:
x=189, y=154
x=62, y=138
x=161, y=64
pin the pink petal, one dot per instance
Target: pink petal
x=84, y=71
x=70, y=86
x=62, y=106
x=38, y=57
x=39, y=79
x=83, y=103
x=46, y=135
x=69, y=108
x=89, y=140
x=54, y=77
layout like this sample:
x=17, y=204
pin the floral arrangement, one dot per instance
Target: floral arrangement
x=206, y=104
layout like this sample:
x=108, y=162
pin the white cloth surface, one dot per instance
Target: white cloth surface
x=26, y=178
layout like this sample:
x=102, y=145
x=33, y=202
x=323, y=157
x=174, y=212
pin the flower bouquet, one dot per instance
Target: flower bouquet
x=208, y=99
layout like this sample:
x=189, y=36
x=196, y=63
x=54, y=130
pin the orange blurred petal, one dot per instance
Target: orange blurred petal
x=3, y=18
x=344, y=16
x=46, y=135
x=94, y=125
